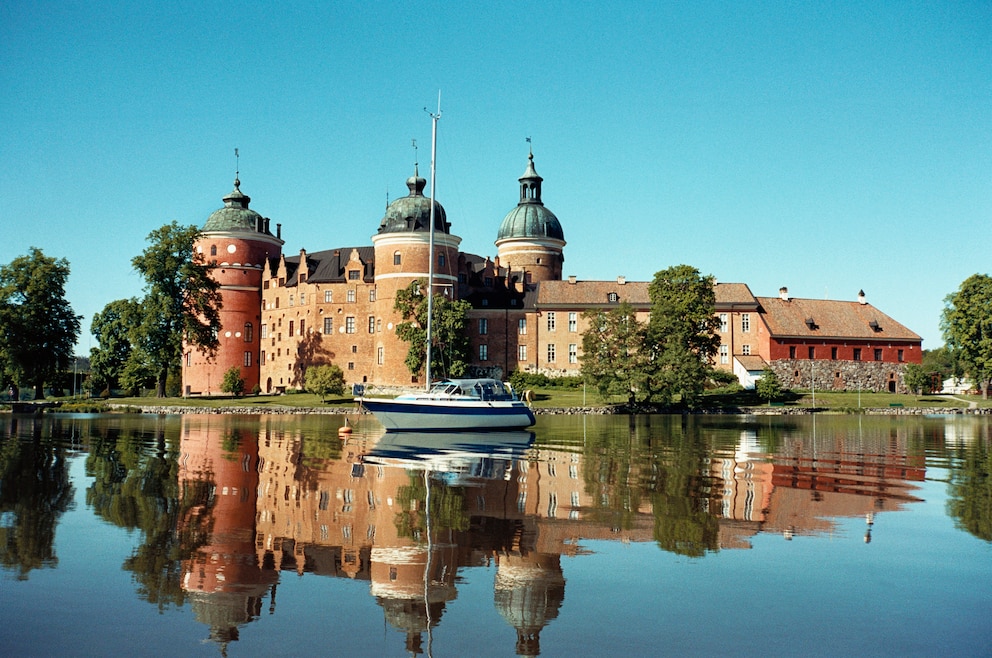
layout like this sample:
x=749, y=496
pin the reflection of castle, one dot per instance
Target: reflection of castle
x=264, y=498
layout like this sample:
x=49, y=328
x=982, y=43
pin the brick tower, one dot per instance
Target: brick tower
x=237, y=241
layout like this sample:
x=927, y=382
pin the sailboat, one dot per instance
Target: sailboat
x=451, y=404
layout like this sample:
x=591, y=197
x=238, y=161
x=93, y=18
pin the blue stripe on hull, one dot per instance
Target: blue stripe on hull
x=418, y=416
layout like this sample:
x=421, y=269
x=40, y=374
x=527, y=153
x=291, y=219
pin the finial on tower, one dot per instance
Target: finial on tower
x=416, y=158
x=237, y=168
x=530, y=147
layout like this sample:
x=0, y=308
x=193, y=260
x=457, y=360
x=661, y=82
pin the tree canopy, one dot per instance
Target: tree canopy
x=450, y=350
x=182, y=301
x=681, y=333
x=324, y=380
x=113, y=327
x=38, y=328
x=614, y=355
x=967, y=327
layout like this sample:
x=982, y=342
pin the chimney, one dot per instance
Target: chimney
x=572, y=279
x=621, y=280
x=279, y=231
x=783, y=293
x=861, y=297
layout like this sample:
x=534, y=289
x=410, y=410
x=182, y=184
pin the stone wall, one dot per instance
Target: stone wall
x=877, y=376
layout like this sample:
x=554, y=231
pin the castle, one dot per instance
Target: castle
x=283, y=313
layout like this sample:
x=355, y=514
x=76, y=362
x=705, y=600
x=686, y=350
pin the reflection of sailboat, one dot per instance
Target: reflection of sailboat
x=447, y=452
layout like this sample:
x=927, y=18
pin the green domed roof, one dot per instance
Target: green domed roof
x=413, y=212
x=530, y=219
x=235, y=215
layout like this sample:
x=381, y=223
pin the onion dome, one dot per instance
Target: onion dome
x=235, y=215
x=413, y=212
x=530, y=219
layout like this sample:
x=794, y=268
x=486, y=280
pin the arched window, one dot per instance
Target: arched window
x=213, y=250
x=397, y=258
x=248, y=332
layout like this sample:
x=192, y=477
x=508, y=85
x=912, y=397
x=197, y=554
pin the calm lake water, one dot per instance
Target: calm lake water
x=252, y=535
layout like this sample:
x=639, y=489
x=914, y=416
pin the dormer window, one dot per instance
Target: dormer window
x=354, y=275
x=811, y=324
x=874, y=325
x=613, y=298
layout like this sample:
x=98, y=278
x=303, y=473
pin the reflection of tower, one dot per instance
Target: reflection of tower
x=218, y=476
x=414, y=582
x=529, y=592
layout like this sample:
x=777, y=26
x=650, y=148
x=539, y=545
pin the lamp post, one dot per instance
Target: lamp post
x=812, y=383
x=75, y=363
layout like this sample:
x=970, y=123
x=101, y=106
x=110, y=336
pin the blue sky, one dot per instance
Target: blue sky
x=827, y=147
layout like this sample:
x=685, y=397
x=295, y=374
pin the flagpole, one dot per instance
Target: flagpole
x=430, y=247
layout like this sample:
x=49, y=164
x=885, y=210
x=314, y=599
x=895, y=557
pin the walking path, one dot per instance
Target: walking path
x=971, y=405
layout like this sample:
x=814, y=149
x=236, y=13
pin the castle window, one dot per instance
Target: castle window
x=247, y=360
x=371, y=324
x=462, y=278
x=397, y=259
x=573, y=322
x=792, y=351
x=746, y=322
x=723, y=322
x=551, y=352
x=248, y=332
x=303, y=324
x=264, y=331
x=213, y=250
x=380, y=355
x=485, y=301
x=261, y=358
x=724, y=354
x=291, y=328
x=746, y=350
x=441, y=260
x=522, y=326
x=573, y=353
x=327, y=296
x=189, y=359
x=351, y=296
x=878, y=354
x=833, y=353
x=612, y=298
x=378, y=325
x=812, y=353
x=857, y=353
x=291, y=301
x=351, y=365
x=371, y=294
x=551, y=320
x=349, y=324
x=489, y=282
x=483, y=326
x=354, y=275
x=328, y=325
x=354, y=349
x=900, y=356
x=483, y=352
x=303, y=299
x=521, y=353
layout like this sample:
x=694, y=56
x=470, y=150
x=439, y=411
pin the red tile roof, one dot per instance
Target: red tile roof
x=596, y=293
x=830, y=319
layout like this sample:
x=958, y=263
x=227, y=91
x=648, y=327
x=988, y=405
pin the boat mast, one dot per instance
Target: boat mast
x=430, y=247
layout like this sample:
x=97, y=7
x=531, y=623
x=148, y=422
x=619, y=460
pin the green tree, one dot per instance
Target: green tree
x=113, y=328
x=324, y=380
x=768, y=387
x=681, y=333
x=38, y=328
x=450, y=349
x=967, y=328
x=614, y=354
x=916, y=378
x=182, y=301
x=233, y=382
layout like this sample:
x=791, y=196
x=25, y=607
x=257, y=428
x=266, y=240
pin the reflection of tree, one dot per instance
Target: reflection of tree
x=135, y=486
x=447, y=508
x=970, y=491
x=680, y=493
x=34, y=491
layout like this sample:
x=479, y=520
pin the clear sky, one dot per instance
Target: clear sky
x=824, y=146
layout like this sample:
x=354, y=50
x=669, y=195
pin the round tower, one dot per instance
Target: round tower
x=402, y=255
x=237, y=242
x=530, y=239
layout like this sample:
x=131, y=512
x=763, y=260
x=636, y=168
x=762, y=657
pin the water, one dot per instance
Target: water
x=207, y=535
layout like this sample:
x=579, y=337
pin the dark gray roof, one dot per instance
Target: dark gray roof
x=236, y=215
x=330, y=266
x=530, y=219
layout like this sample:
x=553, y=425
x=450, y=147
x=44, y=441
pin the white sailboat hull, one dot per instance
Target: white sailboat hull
x=426, y=413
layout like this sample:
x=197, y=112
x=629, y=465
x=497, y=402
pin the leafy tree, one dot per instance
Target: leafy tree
x=916, y=377
x=941, y=360
x=768, y=387
x=113, y=328
x=182, y=301
x=450, y=350
x=613, y=352
x=970, y=491
x=681, y=333
x=38, y=328
x=233, y=382
x=324, y=380
x=967, y=328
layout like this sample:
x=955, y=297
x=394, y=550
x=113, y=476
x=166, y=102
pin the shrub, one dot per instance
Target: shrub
x=233, y=383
